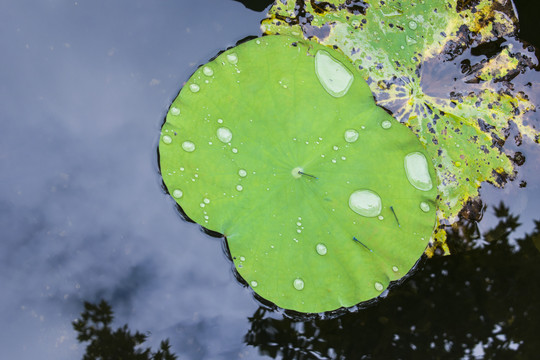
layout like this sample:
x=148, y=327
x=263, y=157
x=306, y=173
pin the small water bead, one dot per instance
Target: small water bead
x=410, y=40
x=366, y=203
x=202, y=205
x=182, y=169
x=232, y=58
x=254, y=283
x=239, y=187
x=188, y=146
x=351, y=135
x=242, y=173
x=167, y=139
x=424, y=206
x=224, y=134
x=220, y=121
x=206, y=201
x=379, y=286
x=386, y=124
x=175, y=111
x=298, y=284
x=381, y=217
x=177, y=194
x=335, y=78
x=335, y=148
x=355, y=23
x=234, y=150
x=413, y=25
x=321, y=249
x=395, y=269
x=208, y=71
x=416, y=168
x=194, y=88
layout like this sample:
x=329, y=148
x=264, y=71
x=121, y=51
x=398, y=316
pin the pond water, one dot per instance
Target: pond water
x=85, y=86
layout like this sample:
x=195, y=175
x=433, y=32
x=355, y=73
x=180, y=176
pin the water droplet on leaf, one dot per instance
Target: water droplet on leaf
x=298, y=284
x=175, y=111
x=379, y=286
x=416, y=168
x=208, y=71
x=366, y=203
x=424, y=206
x=333, y=75
x=321, y=249
x=194, y=88
x=351, y=135
x=177, y=194
x=167, y=139
x=224, y=134
x=386, y=124
x=188, y=146
x=232, y=58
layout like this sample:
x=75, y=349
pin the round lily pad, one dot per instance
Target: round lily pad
x=322, y=196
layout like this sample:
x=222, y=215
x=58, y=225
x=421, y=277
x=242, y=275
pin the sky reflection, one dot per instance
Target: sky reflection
x=85, y=87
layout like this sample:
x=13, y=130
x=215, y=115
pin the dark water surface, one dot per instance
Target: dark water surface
x=84, y=88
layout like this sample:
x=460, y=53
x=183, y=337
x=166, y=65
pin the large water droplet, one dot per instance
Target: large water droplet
x=188, y=146
x=333, y=75
x=379, y=286
x=416, y=168
x=224, y=134
x=242, y=173
x=424, y=206
x=298, y=284
x=167, y=139
x=351, y=135
x=175, y=111
x=321, y=249
x=366, y=203
x=232, y=58
x=208, y=71
x=194, y=88
x=177, y=194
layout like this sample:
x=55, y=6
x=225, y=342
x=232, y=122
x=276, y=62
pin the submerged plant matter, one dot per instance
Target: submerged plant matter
x=406, y=51
x=322, y=196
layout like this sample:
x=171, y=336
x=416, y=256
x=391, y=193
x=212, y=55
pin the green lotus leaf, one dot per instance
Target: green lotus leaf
x=406, y=51
x=322, y=196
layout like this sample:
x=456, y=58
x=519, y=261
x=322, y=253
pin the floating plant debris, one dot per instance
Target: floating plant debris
x=448, y=69
x=300, y=184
